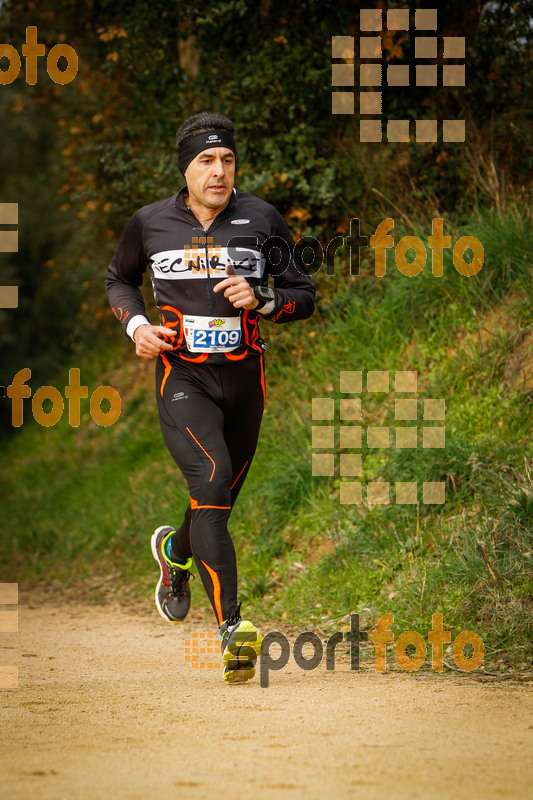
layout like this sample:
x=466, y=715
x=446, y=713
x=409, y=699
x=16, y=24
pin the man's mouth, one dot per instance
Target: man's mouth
x=218, y=188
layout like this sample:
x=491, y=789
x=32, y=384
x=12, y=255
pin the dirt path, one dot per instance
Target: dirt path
x=107, y=708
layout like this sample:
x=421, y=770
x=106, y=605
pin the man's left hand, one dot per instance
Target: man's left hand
x=237, y=290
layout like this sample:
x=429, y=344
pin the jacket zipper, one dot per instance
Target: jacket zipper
x=208, y=276
x=217, y=356
x=210, y=289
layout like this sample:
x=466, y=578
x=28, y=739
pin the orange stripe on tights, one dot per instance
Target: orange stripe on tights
x=167, y=372
x=207, y=454
x=216, y=592
x=194, y=504
x=238, y=476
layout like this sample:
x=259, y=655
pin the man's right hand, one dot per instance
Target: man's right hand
x=148, y=341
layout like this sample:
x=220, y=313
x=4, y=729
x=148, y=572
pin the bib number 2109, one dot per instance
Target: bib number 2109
x=203, y=338
x=212, y=334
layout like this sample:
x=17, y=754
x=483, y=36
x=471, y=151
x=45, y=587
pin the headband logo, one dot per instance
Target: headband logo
x=213, y=138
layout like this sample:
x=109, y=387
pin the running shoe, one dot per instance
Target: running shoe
x=240, y=643
x=172, y=593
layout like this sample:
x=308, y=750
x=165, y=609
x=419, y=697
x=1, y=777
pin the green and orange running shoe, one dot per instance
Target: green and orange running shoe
x=240, y=643
x=172, y=593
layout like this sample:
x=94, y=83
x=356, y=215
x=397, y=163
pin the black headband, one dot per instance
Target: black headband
x=190, y=148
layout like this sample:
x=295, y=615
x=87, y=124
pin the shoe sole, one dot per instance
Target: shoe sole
x=240, y=674
x=238, y=653
x=153, y=542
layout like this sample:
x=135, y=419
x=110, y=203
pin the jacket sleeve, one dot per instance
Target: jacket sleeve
x=125, y=275
x=294, y=290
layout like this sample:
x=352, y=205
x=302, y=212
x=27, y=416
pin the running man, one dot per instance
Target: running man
x=211, y=250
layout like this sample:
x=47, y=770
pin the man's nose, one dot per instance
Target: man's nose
x=218, y=167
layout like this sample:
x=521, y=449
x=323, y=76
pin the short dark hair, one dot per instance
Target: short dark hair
x=201, y=123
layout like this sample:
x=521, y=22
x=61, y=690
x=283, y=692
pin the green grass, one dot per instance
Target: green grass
x=80, y=503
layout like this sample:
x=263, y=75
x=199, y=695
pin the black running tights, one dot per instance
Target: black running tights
x=210, y=414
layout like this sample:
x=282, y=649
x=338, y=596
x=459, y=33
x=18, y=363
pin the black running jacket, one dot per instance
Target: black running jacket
x=186, y=262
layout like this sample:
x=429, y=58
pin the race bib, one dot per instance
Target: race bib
x=212, y=334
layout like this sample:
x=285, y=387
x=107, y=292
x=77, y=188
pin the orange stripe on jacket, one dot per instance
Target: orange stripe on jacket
x=216, y=592
x=167, y=371
x=168, y=324
x=263, y=379
x=197, y=360
x=236, y=358
x=230, y=356
x=247, y=340
x=255, y=334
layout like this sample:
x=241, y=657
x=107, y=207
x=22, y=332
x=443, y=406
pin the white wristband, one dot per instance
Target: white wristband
x=267, y=308
x=134, y=323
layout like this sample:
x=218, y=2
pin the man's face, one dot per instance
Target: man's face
x=210, y=177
